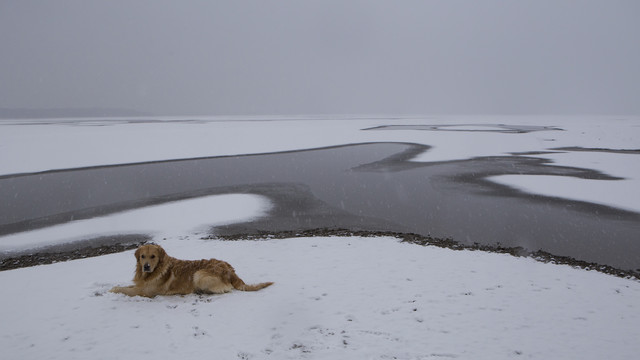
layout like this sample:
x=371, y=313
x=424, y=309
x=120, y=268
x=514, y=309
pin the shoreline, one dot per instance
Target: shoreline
x=55, y=254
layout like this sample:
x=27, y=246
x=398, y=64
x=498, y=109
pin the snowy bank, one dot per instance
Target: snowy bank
x=355, y=298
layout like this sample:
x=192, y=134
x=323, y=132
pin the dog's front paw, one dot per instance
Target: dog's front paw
x=121, y=290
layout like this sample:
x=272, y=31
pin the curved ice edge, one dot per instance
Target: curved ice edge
x=177, y=218
x=624, y=195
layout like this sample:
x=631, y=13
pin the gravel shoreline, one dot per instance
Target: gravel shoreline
x=120, y=244
x=417, y=239
x=72, y=251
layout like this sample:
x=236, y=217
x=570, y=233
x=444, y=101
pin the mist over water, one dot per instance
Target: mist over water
x=322, y=57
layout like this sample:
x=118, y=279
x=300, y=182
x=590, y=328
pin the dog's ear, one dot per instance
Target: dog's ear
x=137, y=254
x=161, y=254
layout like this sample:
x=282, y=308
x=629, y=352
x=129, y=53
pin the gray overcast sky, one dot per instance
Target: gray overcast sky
x=322, y=57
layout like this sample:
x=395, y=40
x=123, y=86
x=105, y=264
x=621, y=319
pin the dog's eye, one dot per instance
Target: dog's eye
x=142, y=257
x=153, y=256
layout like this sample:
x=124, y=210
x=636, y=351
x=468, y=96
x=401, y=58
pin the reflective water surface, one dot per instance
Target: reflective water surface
x=370, y=186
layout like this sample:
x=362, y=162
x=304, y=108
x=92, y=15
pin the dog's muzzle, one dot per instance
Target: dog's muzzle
x=146, y=268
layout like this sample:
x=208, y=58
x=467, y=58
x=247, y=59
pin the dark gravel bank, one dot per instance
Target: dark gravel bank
x=115, y=245
x=72, y=251
x=539, y=255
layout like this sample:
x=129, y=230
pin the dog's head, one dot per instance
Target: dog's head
x=149, y=257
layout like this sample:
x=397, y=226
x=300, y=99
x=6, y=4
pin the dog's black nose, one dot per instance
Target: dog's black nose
x=146, y=267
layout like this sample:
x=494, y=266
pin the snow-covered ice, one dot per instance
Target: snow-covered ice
x=626, y=196
x=170, y=219
x=333, y=298
x=63, y=144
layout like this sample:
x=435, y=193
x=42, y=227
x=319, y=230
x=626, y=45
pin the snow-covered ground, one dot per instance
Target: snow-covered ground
x=333, y=298
x=40, y=145
x=360, y=298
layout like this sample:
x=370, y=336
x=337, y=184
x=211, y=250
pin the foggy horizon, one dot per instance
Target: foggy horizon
x=462, y=57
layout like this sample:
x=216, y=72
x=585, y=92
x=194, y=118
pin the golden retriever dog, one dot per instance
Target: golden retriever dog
x=160, y=274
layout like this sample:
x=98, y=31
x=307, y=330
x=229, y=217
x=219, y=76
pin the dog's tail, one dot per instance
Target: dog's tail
x=238, y=284
x=255, y=287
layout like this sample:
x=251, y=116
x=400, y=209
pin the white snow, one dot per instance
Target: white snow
x=170, y=219
x=626, y=196
x=42, y=146
x=623, y=193
x=333, y=298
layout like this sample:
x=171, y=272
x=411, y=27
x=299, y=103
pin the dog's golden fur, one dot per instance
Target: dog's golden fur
x=160, y=274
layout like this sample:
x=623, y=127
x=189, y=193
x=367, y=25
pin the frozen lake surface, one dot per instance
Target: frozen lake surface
x=405, y=175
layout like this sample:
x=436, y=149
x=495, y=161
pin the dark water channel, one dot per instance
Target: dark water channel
x=359, y=187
